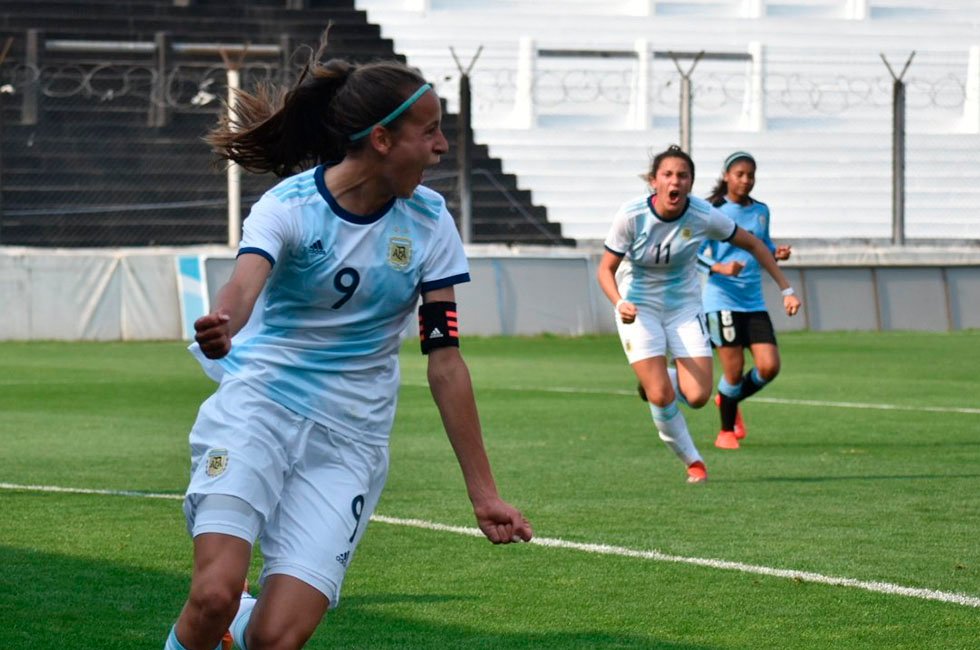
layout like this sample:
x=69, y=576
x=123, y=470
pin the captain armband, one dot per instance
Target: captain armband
x=438, y=326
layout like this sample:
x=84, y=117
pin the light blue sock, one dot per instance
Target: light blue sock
x=240, y=623
x=729, y=390
x=673, y=431
x=172, y=642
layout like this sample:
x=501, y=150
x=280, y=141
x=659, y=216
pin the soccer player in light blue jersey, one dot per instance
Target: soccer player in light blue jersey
x=658, y=303
x=292, y=449
x=733, y=302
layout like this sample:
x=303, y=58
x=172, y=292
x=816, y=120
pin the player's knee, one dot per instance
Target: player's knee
x=697, y=397
x=660, y=396
x=213, y=601
x=768, y=371
x=266, y=634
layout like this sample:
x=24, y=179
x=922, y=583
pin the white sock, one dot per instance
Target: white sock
x=673, y=431
x=173, y=644
x=240, y=623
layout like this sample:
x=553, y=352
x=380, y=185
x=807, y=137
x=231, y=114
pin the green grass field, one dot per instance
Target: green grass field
x=888, y=492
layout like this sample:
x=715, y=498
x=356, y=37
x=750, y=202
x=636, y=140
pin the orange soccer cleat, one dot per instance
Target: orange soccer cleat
x=697, y=472
x=726, y=440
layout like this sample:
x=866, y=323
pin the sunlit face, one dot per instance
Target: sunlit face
x=672, y=184
x=418, y=144
x=740, y=179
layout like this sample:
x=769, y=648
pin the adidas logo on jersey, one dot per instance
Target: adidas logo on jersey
x=435, y=333
x=317, y=248
x=343, y=558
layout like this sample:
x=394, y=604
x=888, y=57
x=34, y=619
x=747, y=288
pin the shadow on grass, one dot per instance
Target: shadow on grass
x=52, y=601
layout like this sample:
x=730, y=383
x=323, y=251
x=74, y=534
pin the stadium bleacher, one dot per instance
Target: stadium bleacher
x=90, y=156
x=822, y=132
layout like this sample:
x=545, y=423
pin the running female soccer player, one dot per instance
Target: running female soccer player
x=658, y=304
x=733, y=302
x=292, y=449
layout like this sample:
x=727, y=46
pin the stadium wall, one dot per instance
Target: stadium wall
x=155, y=294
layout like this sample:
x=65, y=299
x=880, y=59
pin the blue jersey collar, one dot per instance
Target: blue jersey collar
x=321, y=186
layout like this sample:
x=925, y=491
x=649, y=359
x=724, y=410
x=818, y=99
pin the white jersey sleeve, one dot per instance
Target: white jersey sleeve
x=622, y=233
x=719, y=225
x=445, y=263
x=268, y=231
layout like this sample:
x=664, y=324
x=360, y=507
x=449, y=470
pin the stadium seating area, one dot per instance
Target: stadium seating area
x=577, y=128
x=101, y=146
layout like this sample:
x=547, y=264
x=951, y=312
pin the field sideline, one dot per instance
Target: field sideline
x=849, y=518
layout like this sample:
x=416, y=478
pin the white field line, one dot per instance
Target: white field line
x=601, y=549
x=765, y=400
x=600, y=391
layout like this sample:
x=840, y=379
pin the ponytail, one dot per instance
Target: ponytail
x=286, y=131
x=718, y=194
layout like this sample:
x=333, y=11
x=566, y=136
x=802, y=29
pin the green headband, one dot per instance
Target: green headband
x=404, y=106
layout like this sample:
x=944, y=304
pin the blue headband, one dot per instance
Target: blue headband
x=738, y=155
x=404, y=106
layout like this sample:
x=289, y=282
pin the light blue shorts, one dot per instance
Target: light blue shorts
x=313, y=490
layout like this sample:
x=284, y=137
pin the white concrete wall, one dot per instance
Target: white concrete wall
x=135, y=294
x=819, y=121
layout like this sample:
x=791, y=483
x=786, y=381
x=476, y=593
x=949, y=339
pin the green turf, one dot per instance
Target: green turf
x=874, y=495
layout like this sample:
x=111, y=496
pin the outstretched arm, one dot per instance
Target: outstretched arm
x=233, y=306
x=748, y=241
x=452, y=389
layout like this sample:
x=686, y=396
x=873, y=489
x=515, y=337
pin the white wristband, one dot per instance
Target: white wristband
x=618, y=303
x=788, y=291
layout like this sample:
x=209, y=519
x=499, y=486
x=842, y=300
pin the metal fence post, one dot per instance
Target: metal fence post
x=32, y=57
x=3, y=57
x=686, y=98
x=464, y=156
x=234, y=172
x=898, y=152
x=159, y=113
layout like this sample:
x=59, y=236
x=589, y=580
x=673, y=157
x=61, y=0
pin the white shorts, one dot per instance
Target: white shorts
x=683, y=334
x=313, y=489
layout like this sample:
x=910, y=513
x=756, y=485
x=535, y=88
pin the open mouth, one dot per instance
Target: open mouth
x=673, y=195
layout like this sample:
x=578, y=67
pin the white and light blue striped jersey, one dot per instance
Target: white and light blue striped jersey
x=325, y=337
x=663, y=254
x=742, y=292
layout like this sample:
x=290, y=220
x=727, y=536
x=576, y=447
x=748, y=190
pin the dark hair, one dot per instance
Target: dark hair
x=720, y=190
x=673, y=151
x=285, y=131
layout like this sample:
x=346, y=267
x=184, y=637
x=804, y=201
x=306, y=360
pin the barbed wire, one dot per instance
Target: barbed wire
x=190, y=87
x=711, y=91
x=184, y=87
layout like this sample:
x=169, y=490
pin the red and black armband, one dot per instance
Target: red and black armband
x=438, y=326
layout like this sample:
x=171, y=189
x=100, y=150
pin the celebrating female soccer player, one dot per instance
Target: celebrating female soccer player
x=658, y=304
x=733, y=302
x=292, y=449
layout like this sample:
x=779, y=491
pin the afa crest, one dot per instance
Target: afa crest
x=686, y=233
x=217, y=462
x=399, y=252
